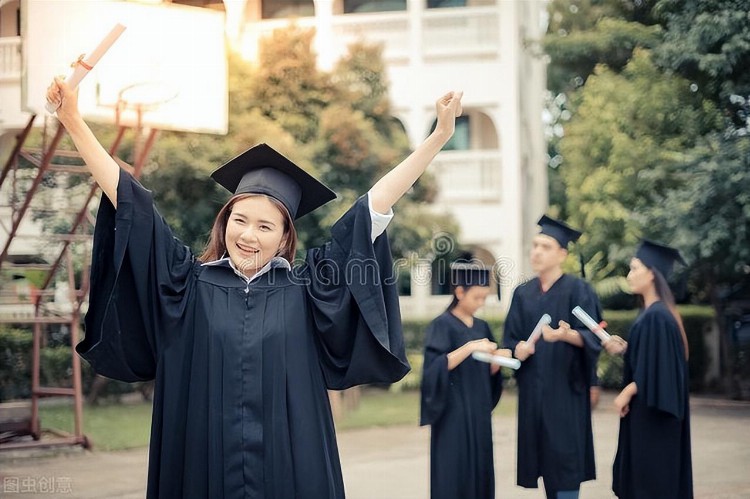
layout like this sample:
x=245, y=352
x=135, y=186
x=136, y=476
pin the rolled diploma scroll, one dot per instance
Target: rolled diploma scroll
x=543, y=321
x=590, y=323
x=497, y=359
x=85, y=64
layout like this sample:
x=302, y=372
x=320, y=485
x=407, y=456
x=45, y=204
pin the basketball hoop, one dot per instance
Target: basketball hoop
x=143, y=97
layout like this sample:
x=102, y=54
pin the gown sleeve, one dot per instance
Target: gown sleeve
x=658, y=367
x=586, y=298
x=354, y=300
x=496, y=380
x=139, y=273
x=435, y=374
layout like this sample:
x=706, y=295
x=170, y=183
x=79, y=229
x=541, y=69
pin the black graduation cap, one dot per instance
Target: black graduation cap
x=469, y=274
x=263, y=170
x=658, y=256
x=561, y=232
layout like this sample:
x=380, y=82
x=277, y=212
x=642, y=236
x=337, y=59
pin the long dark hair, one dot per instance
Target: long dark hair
x=666, y=296
x=216, y=246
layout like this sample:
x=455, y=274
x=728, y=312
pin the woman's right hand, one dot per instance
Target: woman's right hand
x=60, y=94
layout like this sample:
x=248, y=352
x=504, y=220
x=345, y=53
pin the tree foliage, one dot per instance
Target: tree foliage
x=654, y=141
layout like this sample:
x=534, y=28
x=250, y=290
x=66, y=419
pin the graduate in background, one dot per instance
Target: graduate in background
x=242, y=345
x=459, y=392
x=653, y=458
x=555, y=440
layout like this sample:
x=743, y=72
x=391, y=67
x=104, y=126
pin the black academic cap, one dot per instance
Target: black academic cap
x=561, y=232
x=469, y=274
x=263, y=170
x=658, y=256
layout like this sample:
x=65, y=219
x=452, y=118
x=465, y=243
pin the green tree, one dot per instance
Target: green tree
x=708, y=42
x=581, y=35
x=623, y=150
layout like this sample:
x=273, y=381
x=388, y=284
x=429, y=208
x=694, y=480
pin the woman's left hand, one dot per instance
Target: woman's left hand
x=622, y=403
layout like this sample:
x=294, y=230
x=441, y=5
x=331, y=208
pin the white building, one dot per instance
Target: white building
x=494, y=180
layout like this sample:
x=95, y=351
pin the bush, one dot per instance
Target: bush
x=55, y=361
x=15, y=363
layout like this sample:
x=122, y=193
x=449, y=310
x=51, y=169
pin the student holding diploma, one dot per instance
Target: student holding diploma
x=555, y=440
x=653, y=458
x=460, y=392
x=242, y=345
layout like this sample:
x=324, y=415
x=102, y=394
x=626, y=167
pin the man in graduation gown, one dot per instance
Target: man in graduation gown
x=554, y=409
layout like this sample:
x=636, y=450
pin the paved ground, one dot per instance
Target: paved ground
x=394, y=462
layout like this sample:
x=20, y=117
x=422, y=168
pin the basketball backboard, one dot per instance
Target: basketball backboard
x=170, y=62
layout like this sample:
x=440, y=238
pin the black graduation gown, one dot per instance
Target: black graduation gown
x=458, y=404
x=555, y=440
x=653, y=459
x=240, y=402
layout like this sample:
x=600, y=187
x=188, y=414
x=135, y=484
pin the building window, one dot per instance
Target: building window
x=213, y=4
x=280, y=9
x=355, y=6
x=436, y=4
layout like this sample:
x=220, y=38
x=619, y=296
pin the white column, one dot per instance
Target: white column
x=508, y=119
x=323, y=44
x=234, y=21
x=421, y=288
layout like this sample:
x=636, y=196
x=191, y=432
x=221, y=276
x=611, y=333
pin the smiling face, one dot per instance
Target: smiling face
x=255, y=233
x=546, y=254
x=640, y=277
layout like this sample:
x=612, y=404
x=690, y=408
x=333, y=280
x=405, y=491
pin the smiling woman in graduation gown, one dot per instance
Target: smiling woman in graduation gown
x=240, y=404
x=242, y=362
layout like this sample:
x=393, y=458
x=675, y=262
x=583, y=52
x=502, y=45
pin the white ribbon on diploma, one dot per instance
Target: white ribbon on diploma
x=590, y=323
x=543, y=321
x=496, y=359
x=83, y=65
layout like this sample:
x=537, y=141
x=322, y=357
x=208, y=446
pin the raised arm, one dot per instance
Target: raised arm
x=103, y=168
x=396, y=182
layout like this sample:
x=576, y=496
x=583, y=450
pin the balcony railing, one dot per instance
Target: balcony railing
x=390, y=29
x=466, y=31
x=10, y=58
x=470, y=31
x=469, y=175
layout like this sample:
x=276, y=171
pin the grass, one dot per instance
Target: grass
x=108, y=427
x=386, y=408
x=382, y=408
x=124, y=426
